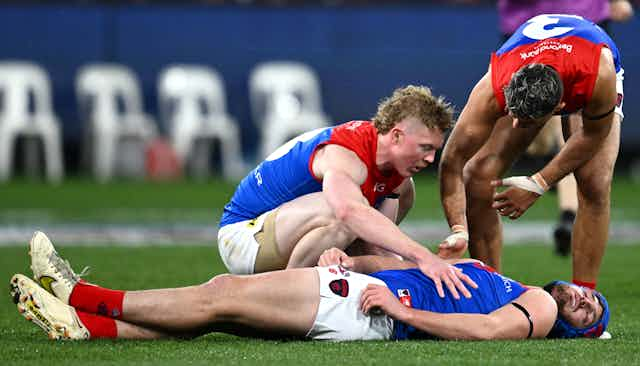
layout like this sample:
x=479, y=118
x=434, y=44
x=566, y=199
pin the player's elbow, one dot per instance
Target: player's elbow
x=344, y=211
x=487, y=330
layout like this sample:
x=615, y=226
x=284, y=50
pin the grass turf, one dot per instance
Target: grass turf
x=150, y=267
x=83, y=201
x=80, y=200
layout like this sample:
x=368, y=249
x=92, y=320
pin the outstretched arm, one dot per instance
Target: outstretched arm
x=363, y=263
x=471, y=131
x=371, y=263
x=342, y=173
x=597, y=119
x=508, y=322
x=407, y=192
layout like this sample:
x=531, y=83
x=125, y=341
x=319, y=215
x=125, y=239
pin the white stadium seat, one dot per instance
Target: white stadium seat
x=192, y=102
x=285, y=101
x=110, y=100
x=26, y=111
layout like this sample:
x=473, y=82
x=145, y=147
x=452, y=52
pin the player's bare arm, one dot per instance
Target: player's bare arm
x=372, y=263
x=363, y=263
x=508, y=322
x=342, y=173
x=407, y=196
x=469, y=134
x=396, y=209
x=597, y=119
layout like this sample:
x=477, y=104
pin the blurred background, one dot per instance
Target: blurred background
x=102, y=97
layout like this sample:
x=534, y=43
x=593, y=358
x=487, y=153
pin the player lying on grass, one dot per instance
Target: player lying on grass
x=327, y=303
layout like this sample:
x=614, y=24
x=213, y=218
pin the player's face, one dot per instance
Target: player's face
x=416, y=145
x=577, y=305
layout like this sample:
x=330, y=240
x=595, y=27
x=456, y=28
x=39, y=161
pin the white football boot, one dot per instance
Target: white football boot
x=52, y=272
x=58, y=320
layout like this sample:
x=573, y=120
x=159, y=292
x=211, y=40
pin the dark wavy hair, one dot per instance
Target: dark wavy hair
x=534, y=91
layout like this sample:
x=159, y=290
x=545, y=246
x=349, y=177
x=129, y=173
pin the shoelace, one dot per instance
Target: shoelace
x=64, y=267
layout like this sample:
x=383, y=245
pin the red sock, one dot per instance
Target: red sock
x=97, y=300
x=98, y=326
x=591, y=285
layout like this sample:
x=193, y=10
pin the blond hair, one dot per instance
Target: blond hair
x=413, y=101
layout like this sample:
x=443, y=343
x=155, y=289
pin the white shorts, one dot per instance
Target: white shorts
x=238, y=246
x=339, y=316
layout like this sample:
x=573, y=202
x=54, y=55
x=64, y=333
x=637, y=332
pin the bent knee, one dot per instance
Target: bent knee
x=595, y=189
x=484, y=168
x=340, y=231
x=219, y=283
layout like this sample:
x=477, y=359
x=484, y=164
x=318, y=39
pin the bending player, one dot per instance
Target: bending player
x=317, y=303
x=553, y=64
x=332, y=186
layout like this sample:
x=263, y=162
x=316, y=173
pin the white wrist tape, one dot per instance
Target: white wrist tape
x=523, y=182
x=451, y=239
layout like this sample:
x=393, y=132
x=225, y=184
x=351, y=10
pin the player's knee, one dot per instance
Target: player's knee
x=211, y=304
x=478, y=174
x=595, y=189
x=219, y=284
x=341, y=232
x=486, y=168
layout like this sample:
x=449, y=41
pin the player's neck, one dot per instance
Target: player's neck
x=383, y=154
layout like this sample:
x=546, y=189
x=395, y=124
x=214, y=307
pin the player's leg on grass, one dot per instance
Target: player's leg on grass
x=567, y=191
x=281, y=302
x=278, y=303
x=271, y=297
x=61, y=321
x=497, y=155
x=591, y=228
x=550, y=137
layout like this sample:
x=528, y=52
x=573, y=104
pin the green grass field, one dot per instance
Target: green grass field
x=81, y=201
x=148, y=267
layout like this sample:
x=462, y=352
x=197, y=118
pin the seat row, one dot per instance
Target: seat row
x=284, y=96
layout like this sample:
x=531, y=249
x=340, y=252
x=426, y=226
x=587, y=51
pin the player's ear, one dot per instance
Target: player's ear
x=396, y=135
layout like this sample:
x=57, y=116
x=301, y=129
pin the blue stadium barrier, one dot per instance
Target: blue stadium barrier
x=361, y=54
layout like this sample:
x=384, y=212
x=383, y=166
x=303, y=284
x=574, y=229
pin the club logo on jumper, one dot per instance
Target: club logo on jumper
x=619, y=100
x=339, y=287
x=404, y=296
x=379, y=187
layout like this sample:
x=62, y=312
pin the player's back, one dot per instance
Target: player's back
x=281, y=177
x=416, y=290
x=556, y=26
x=568, y=43
x=288, y=172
